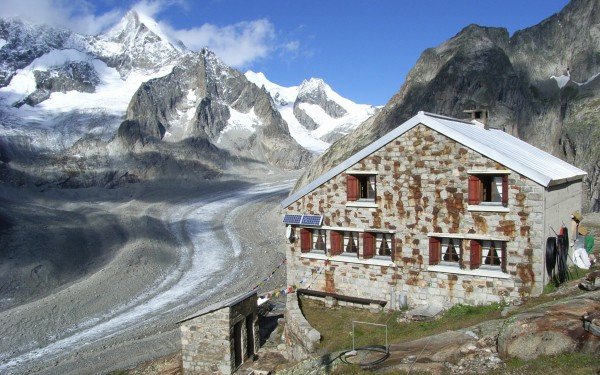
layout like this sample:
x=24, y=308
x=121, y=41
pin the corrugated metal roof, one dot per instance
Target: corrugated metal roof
x=515, y=154
x=219, y=305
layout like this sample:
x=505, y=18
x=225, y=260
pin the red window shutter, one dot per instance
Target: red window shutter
x=368, y=245
x=505, y=190
x=475, y=258
x=474, y=189
x=393, y=252
x=305, y=240
x=503, y=256
x=336, y=243
x=351, y=188
x=434, y=250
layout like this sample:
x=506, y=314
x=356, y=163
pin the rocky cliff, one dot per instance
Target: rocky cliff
x=541, y=84
x=316, y=115
x=129, y=104
x=205, y=99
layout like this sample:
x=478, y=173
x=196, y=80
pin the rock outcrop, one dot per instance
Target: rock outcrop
x=211, y=91
x=551, y=330
x=523, y=80
x=128, y=105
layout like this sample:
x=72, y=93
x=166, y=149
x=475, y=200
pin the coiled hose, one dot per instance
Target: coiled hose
x=563, y=253
x=343, y=356
x=550, y=255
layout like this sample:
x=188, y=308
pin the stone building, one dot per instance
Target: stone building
x=221, y=337
x=438, y=210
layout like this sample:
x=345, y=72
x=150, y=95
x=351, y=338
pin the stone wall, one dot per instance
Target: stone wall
x=301, y=338
x=422, y=187
x=205, y=342
x=208, y=340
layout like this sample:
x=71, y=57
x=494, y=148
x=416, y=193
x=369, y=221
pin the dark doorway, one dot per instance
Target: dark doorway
x=250, y=336
x=237, y=344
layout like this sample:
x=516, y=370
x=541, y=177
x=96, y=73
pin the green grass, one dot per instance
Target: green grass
x=335, y=325
x=570, y=363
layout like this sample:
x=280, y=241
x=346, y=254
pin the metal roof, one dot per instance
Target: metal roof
x=515, y=154
x=219, y=305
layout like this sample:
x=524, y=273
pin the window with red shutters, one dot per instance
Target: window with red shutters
x=488, y=189
x=434, y=250
x=336, y=243
x=361, y=187
x=352, y=191
x=368, y=245
x=475, y=258
x=305, y=240
x=474, y=189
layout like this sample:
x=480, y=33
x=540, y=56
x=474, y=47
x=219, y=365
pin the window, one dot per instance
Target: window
x=488, y=253
x=451, y=250
x=447, y=250
x=488, y=189
x=351, y=243
x=361, y=187
x=384, y=244
x=319, y=238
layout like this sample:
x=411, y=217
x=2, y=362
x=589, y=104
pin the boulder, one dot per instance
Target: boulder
x=550, y=330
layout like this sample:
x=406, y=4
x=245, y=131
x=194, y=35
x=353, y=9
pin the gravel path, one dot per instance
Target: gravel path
x=182, y=248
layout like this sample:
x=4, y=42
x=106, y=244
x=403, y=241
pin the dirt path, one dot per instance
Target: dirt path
x=184, y=248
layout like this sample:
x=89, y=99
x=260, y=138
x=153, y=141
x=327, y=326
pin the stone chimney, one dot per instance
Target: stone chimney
x=479, y=115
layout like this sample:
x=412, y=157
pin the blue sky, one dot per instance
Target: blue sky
x=363, y=49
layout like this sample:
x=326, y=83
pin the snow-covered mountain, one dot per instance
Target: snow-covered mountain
x=316, y=115
x=128, y=100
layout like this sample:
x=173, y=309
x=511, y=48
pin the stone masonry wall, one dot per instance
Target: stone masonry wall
x=301, y=337
x=422, y=186
x=208, y=340
x=205, y=344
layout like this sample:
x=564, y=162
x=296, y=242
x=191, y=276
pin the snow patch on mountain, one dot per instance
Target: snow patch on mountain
x=314, y=140
x=67, y=111
x=2, y=42
x=244, y=122
x=561, y=80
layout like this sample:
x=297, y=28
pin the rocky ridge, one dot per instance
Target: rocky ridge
x=129, y=104
x=540, y=84
x=315, y=113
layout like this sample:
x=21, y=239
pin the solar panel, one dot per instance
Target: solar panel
x=312, y=220
x=292, y=219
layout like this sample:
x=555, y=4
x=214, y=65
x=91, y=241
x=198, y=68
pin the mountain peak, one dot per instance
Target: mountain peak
x=313, y=84
x=134, y=25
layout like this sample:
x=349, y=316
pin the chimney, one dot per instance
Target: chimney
x=479, y=115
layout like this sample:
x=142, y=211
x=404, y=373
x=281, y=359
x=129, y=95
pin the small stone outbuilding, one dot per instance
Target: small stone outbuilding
x=221, y=337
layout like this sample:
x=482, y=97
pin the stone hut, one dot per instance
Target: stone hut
x=438, y=210
x=221, y=337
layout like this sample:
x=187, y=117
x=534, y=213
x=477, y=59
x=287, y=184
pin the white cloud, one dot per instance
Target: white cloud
x=77, y=15
x=150, y=8
x=238, y=45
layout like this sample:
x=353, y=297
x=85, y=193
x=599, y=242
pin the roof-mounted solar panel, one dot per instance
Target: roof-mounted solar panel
x=312, y=220
x=292, y=219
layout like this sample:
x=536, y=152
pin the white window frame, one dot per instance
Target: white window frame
x=485, y=248
x=345, y=241
x=378, y=239
x=315, y=236
x=457, y=243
